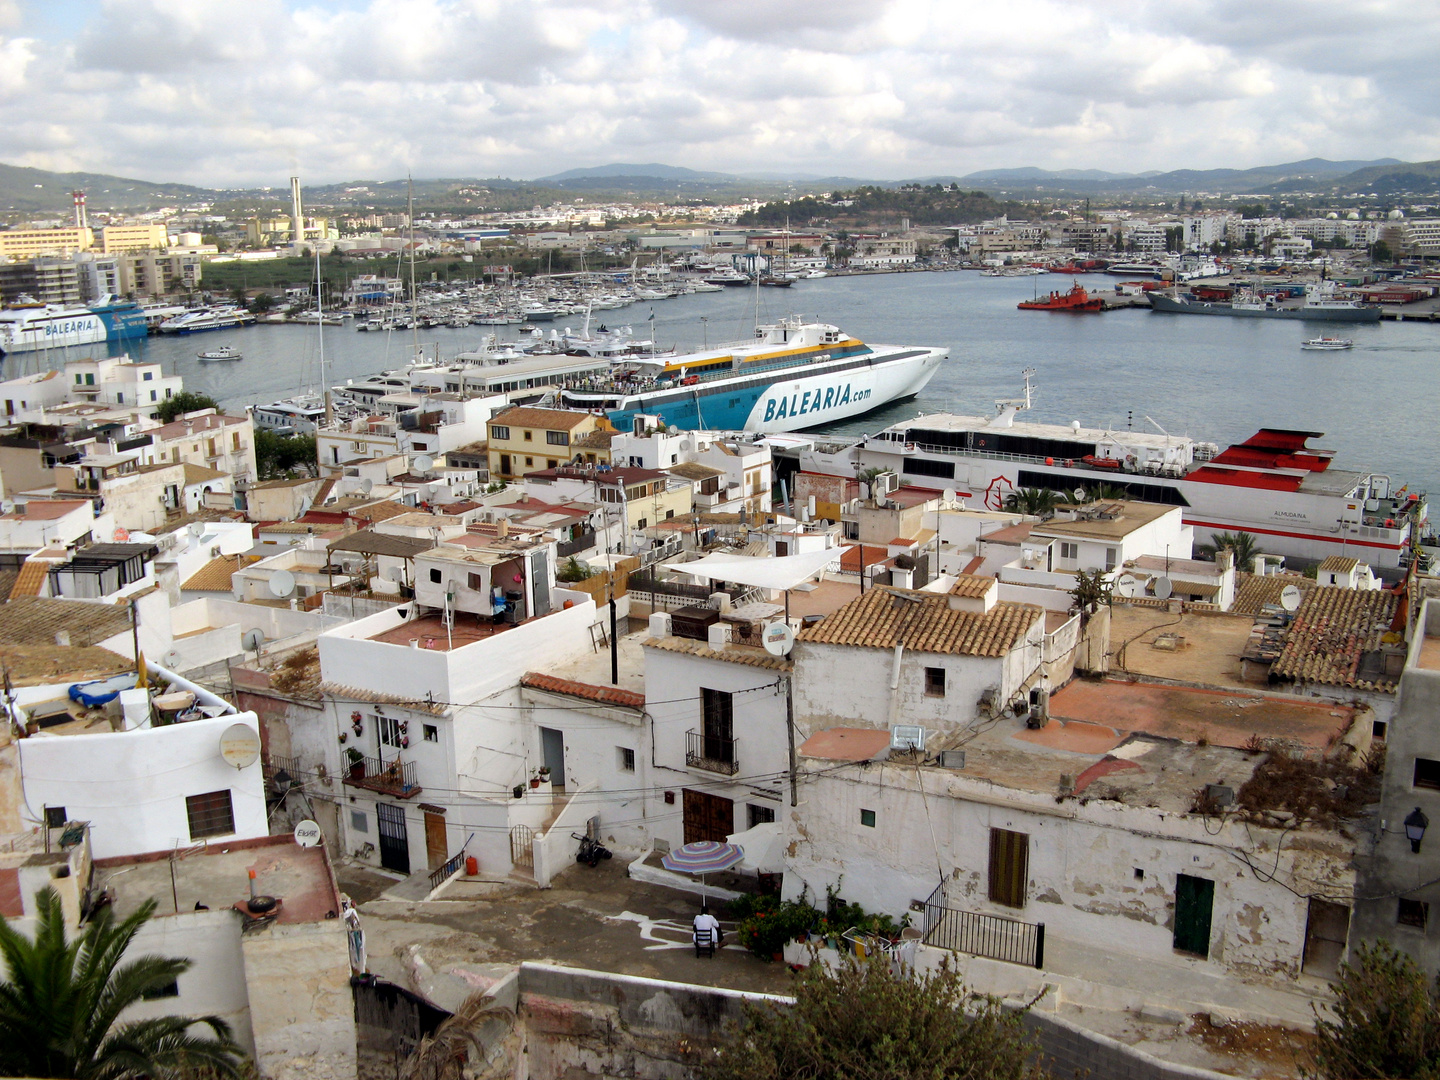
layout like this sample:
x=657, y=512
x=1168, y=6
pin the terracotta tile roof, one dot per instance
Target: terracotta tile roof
x=735, y=654
x=850, y=557
x=31, y=620
x=198, y=474
x=349, y=694
x=523, y=416
x=595, y=440
x=1339, y=564
x=845, y=744
x=380, y=511
x=1011, y=534
x=924, y=622
x=44, y=509
x=972, y=585
x=1255, y=592
x=31, y=578
x=214, y=576
x=605, y=695
x=1333, y=630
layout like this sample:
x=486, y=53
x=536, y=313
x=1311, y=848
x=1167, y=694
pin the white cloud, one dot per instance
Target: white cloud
x=227, y=92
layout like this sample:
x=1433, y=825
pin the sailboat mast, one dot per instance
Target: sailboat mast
x=320, y=329
x=414, y=306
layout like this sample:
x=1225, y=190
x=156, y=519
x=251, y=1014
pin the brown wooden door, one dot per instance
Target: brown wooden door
x=437, y=848
x=1009, y=867
x=708, y=817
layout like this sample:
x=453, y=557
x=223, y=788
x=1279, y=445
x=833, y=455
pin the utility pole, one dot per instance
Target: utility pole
x=790, y=729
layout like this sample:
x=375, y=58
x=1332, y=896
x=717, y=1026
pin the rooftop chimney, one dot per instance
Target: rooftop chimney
x=298, y=235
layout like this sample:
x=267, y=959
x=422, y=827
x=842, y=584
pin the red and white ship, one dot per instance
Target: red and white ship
x=1274, y=485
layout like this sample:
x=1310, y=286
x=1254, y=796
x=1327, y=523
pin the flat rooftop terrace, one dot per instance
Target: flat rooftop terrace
x=430, y=632
x=218, y=877
x=1210, y=654
x=1429, y=655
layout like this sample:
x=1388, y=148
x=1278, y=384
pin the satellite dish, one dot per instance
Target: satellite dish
x=7, y=507
x=240, y=746
x=424, y=463
x=395, y=574
x=366, y=486
x=173, y=659
x=307, y=834
x=948, y=495
x=282, y=583
x=252, y=640
x=1079, y=494
x=778, y=638
x=1126, y=585
x=1163, y=588
x=195, y=529
x=1290, y=597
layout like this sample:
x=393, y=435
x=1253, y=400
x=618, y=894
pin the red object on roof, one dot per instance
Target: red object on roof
x=608, y=695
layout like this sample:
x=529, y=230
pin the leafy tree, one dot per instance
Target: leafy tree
x=1240, y=544
x=278, y=456
x=60, y=1006
x=183, y=402
x=1387, y=1020
x=1381, y=252
x=861, y=1022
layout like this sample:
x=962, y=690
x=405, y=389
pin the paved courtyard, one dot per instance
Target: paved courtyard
x=592, y=918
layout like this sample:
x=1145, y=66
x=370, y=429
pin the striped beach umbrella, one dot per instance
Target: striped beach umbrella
x=701, y=858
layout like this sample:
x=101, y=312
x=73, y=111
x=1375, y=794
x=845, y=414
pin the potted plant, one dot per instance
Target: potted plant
x=356, y=761
x=544, y=772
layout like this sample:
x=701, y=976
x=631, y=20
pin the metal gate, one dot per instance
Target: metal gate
x=394, y=840
x=522, y=846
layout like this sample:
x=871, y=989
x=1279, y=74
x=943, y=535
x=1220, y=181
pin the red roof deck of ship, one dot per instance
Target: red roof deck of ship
x=1270, y=448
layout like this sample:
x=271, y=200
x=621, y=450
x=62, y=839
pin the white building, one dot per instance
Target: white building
x=121, y=381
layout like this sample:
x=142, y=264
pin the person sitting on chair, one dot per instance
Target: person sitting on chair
x=706, y=921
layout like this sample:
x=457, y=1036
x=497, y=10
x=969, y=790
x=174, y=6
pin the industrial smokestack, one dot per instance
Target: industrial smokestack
x=82, y=218
x=297, y=234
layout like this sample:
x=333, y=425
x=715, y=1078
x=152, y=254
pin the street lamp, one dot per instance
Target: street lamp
x=1415, y=825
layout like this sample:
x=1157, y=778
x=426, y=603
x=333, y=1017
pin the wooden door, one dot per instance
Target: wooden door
x=1009, y=867
x=437, y=847
x=1194, y=902
x=1326, y=929
x=708, y=817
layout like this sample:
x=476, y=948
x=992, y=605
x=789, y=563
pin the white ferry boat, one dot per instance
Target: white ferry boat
x=1327, y=344
x=790, y=376
x=1273, y=485
x=201, y=319
x=31, y=327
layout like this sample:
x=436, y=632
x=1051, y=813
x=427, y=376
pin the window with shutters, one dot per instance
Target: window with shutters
x=1009, y=867
x=1069, y=551
x=210, y=814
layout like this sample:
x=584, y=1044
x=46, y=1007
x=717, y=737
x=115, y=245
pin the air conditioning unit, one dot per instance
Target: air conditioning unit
x=907, y=737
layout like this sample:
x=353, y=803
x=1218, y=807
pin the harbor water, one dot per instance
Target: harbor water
x=1211, y=378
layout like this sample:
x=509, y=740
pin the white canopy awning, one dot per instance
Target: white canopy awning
x=764, y=847
x=783, y=572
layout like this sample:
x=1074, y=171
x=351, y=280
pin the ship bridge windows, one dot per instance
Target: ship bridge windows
x=927, y=467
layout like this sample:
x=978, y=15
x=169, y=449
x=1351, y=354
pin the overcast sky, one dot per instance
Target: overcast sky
x=243, y=92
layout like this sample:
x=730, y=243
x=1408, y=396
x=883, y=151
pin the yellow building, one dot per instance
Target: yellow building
x=33, y=243
x=266, y=231
x=115, y=238
x=525, y=439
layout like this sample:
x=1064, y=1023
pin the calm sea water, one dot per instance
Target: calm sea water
x=1213, y=378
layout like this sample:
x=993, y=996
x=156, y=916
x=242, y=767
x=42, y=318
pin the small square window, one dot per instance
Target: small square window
x=529, y=436
x=529, y=461
x=1378, y=729
x=1139, y=874
x=432, y=733
x=627, y=759
x=435, y=575
x=1414, y=913
x=55, y=817
x=934, y=682
x=759, y=815
x=210, y=814
x=164, y=990
x=867, y=818
x=359, y=822
x=1427, y=773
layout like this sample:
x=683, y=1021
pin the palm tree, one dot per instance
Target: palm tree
x=60, y=1006
x=1241, y=545
x=1034, y=501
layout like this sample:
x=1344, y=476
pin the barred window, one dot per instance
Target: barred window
x=210, y=814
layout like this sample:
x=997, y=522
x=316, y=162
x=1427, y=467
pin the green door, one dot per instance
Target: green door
x=1194, y=898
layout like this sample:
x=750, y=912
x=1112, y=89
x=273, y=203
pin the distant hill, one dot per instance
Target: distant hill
x=1393, y=178
x=1029, y=172
x=631, y=172
x=28, y=190
x=1295, y=175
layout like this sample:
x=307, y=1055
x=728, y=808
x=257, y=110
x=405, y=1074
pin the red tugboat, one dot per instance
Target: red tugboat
x=1077, y=299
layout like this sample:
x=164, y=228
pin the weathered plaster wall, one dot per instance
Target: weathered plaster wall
x=1083, y=862
x=302, y=1013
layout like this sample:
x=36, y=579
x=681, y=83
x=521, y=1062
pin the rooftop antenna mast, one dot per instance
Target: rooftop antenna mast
x=414, y=306
x=320, y=330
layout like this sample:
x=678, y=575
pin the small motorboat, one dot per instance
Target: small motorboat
x=1327, y=344
x=224, y=352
